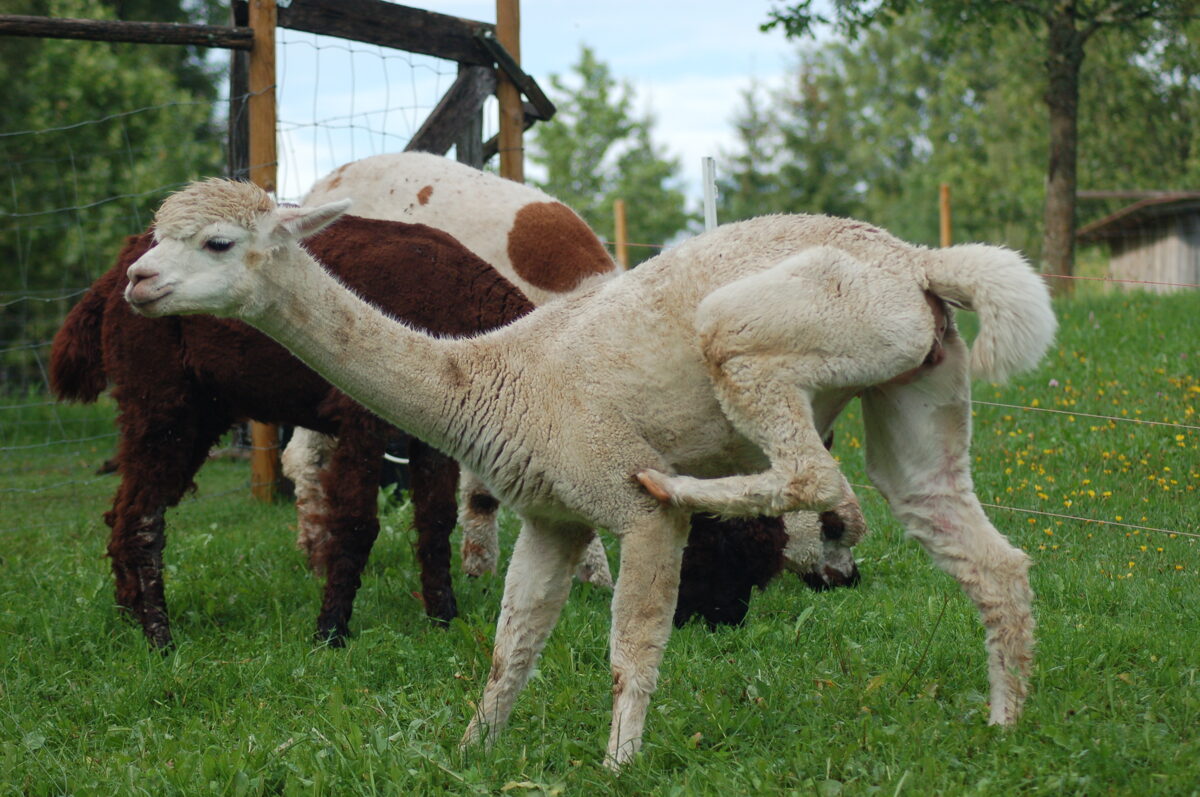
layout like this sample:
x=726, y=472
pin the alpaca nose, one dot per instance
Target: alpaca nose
x=144, y=286
x=136, y=275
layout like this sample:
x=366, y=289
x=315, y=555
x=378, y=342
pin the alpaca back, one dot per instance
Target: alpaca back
x=644, y=323
x=76, y=356
x=538, y=243
x=419, y=274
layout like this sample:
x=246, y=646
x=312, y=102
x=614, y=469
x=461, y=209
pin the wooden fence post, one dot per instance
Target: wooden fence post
x=947, y=238
x=469, y=147
x=263, y=158
x=620, y=233
x=238, y=164
x=264, y=438
x=512, y=111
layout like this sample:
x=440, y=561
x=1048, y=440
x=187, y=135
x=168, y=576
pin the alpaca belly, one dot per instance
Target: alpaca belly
x=710, y=449
x=712, y=456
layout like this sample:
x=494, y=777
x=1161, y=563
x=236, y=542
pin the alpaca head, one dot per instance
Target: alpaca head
x=214, y=244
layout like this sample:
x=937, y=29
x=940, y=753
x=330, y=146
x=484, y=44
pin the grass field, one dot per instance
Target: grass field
x=877, y=690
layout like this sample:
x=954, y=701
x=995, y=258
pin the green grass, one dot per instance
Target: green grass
x=878, y=690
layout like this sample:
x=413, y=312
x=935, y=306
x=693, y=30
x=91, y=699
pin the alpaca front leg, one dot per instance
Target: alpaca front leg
x=136, y=550
x=352, y=523
x=157, y=464
x=535, y=589
x=643, y=607
x=918, y=436
x=480, y=542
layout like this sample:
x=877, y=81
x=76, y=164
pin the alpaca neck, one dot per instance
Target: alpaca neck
x=400, y=374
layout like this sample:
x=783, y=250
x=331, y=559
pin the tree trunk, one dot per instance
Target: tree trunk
x=1064, y=58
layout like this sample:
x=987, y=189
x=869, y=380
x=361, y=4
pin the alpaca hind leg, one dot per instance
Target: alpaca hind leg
x=157, y=464
x=352, y=522
x=434, y=478
x=777, y=416
x=643, y=607
x=918, y=436
x=535, y=589
x=816, y=326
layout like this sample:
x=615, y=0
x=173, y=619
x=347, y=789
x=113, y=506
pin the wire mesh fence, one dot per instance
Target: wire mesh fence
x=72, y=191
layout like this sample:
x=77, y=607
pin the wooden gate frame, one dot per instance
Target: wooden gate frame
x=488, y=63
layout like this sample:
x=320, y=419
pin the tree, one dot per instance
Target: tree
x=596, y=150
x=1062, y=30
x=1137, y=128
x=94, y=135
x=747, y=183
x=797, y=148
x=869, y=127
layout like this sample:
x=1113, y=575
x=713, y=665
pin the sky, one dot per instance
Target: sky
x=687, y=63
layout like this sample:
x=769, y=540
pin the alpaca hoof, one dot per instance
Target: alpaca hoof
x=441, y=608
x=478, y=559
x=1003, y=718
x=652, y=480
x=333, y=636
x=160, y=639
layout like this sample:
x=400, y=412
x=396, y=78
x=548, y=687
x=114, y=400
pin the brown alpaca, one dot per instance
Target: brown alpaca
x=181, y=382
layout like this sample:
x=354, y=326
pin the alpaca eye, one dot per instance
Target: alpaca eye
x=218, y=244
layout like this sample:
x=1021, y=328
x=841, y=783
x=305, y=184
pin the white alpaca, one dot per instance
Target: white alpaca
x=538, y=243
x=702, y=381
x=546, y=250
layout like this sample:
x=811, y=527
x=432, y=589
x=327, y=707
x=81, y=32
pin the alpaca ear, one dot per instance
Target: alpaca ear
x=296, y=224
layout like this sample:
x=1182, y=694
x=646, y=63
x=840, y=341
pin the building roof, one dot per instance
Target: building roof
x=1139, y=213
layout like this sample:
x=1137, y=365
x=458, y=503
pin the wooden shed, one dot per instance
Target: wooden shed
x=1155, y=240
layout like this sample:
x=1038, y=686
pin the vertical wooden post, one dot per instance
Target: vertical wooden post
x=947, y=237
x=512, y=113
x=238, y=166
x=620, y=233
x=264, y=438
x=469, y=147
x=263, y=159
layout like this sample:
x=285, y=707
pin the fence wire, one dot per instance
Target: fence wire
x=57, y=241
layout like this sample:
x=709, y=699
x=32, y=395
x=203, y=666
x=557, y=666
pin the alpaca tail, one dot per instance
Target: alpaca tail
x=77, y=355
x=1016, y=321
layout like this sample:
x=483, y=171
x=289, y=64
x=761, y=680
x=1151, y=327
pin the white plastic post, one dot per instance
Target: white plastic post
x=708, y=168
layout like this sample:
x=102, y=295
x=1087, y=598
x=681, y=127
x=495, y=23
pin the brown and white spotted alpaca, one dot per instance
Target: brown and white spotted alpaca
x=538, y=243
